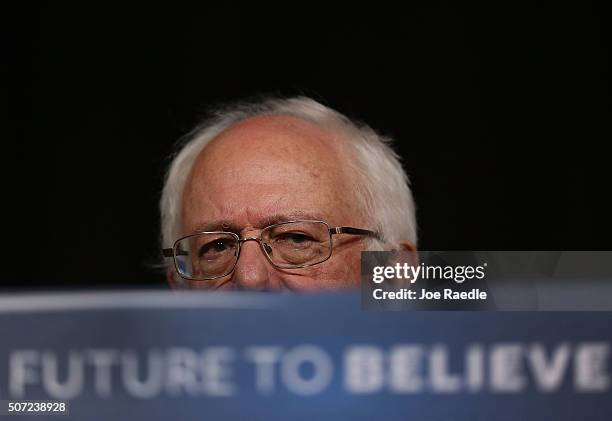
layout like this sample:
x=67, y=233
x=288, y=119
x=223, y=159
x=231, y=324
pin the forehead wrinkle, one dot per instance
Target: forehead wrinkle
x=256, y=162
x=262, y=222
x=266, y=143
x=278, y=135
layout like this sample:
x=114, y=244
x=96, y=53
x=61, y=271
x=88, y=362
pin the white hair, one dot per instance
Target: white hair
x=381, y=184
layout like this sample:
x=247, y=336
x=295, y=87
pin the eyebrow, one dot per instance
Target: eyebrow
x=227, y=226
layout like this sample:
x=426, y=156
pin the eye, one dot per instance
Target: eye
x=210, y=249
x=297, y=238
x=294, y=239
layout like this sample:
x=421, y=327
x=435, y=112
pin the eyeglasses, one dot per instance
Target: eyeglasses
x=289, y=245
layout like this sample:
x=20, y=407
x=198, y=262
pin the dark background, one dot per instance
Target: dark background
x=500, y=113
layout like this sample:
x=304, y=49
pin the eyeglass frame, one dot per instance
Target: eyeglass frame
x=171, y=252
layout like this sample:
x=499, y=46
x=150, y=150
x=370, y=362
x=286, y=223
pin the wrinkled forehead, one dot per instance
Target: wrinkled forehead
x=268, y=158
x=292, y=139
x=272, y=146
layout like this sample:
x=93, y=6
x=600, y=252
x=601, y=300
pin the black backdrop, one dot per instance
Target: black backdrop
x=500, y=113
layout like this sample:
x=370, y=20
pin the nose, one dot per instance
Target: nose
x=252, y=271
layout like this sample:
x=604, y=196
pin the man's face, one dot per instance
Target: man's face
x=271, y=169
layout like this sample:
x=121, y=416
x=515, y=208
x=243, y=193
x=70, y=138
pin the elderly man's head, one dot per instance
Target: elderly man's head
x=244, y=174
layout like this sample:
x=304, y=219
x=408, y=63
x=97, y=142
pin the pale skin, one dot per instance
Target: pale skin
x=271, y=169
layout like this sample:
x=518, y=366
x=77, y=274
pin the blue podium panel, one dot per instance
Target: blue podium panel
x=160, y=355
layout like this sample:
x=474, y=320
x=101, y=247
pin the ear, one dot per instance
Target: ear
x=410, y=248
x=407, y=246
x=406, y=253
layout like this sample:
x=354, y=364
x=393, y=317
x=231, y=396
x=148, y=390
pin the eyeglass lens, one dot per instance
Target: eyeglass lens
x=287, y=245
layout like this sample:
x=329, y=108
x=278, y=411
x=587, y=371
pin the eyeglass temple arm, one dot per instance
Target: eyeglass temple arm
x=170, y=253
x=354, y=231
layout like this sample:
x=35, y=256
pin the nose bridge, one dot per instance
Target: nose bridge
x=251, y=271
x=242, y=240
